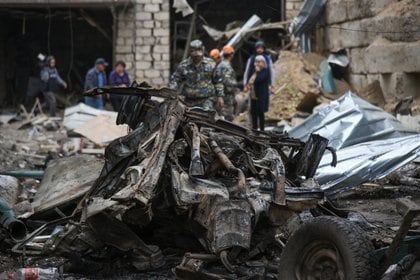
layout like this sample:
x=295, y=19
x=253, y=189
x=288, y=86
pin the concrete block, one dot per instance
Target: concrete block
x=125, y=33
x=120, y=41
x=166, y=57
x=335, y=11
x=158, y=81
x=143, y=49
x=166, y=74
x=143, y=1
x=158, y=24
x=347, y=35
x=161, y=49
x=165, y=6
x=128, y=57
x=360, y=33
x=358, y=81
x=128, y=65
x=164, y=40
x=161, y=32
x=129, y=41
x=124, y=49
x=165, y=24
x=400, y=85
x=148, y=57
x=144, y=32
x=338, y=11
x=380, y=5
x=139, y=56
x=143, y=16
x=162, y=65
x=357, y=61
x=152, y=73
x=126, y=24
x=161, y=16
x=149, y=41
x=156, y=56
x=139, y=74
x=148, y=24
x=157, y=1
x=139, y=41
x=143, y=65
x=388, y=57
x=152, y=8
x=289, y=5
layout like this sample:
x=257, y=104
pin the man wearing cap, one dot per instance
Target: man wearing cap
x=227, y=75
x=196, y=80
x=96, y=77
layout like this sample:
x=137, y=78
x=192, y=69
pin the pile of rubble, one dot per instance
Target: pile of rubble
x=191, y=194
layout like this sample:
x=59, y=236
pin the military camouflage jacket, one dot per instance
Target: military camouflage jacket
x=197, y=81
x=226, y=74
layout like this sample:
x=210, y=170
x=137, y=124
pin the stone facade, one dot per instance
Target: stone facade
x=143, y=41
x=292, y=8
x=379, y=37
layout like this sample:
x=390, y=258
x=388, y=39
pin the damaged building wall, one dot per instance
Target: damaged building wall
x=382, y=40
x=293, y=7
x=2, y=66
x=143, y=40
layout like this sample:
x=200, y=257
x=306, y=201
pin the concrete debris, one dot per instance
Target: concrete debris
x=101, y=130
x=77, y=174
x=79, y=114
x=230, y=201
x=183, y=7
x=294, y=79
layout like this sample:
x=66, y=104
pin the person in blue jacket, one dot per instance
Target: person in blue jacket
x=96, y=77
x=258, y=85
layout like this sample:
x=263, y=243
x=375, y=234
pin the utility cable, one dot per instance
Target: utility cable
x=71, y=48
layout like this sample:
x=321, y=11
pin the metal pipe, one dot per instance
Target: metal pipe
x=240, y=187
x=196, y=165
x=16, y=228
x=36, y=174
x=237, y=39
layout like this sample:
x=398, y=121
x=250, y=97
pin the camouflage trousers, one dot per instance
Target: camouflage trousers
x=228, y=110
x=205, y=103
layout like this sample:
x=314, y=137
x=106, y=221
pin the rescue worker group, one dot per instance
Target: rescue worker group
x=210, y=82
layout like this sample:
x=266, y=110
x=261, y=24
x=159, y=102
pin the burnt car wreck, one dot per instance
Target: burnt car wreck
x=225, y=196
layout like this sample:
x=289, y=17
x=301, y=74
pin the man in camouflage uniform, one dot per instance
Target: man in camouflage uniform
x=195, y=78
x=225, y=72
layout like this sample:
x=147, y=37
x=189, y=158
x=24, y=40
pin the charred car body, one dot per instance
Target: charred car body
x=227, y=196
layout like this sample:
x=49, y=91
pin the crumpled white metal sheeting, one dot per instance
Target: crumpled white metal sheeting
x=366, y=162
x=348, y=121
x=370, y=143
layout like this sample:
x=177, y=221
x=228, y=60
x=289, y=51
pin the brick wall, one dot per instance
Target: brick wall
x=293, y=8
x=378, y=37
x=143, y=41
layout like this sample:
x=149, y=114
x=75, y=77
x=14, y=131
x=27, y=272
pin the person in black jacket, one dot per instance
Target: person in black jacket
x=259, y=84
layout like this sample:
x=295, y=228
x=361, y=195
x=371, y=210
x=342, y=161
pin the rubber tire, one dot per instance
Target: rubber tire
x=352, y=243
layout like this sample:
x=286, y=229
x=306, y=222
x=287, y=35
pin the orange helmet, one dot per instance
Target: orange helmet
x=228, y=49
x=215, y=54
